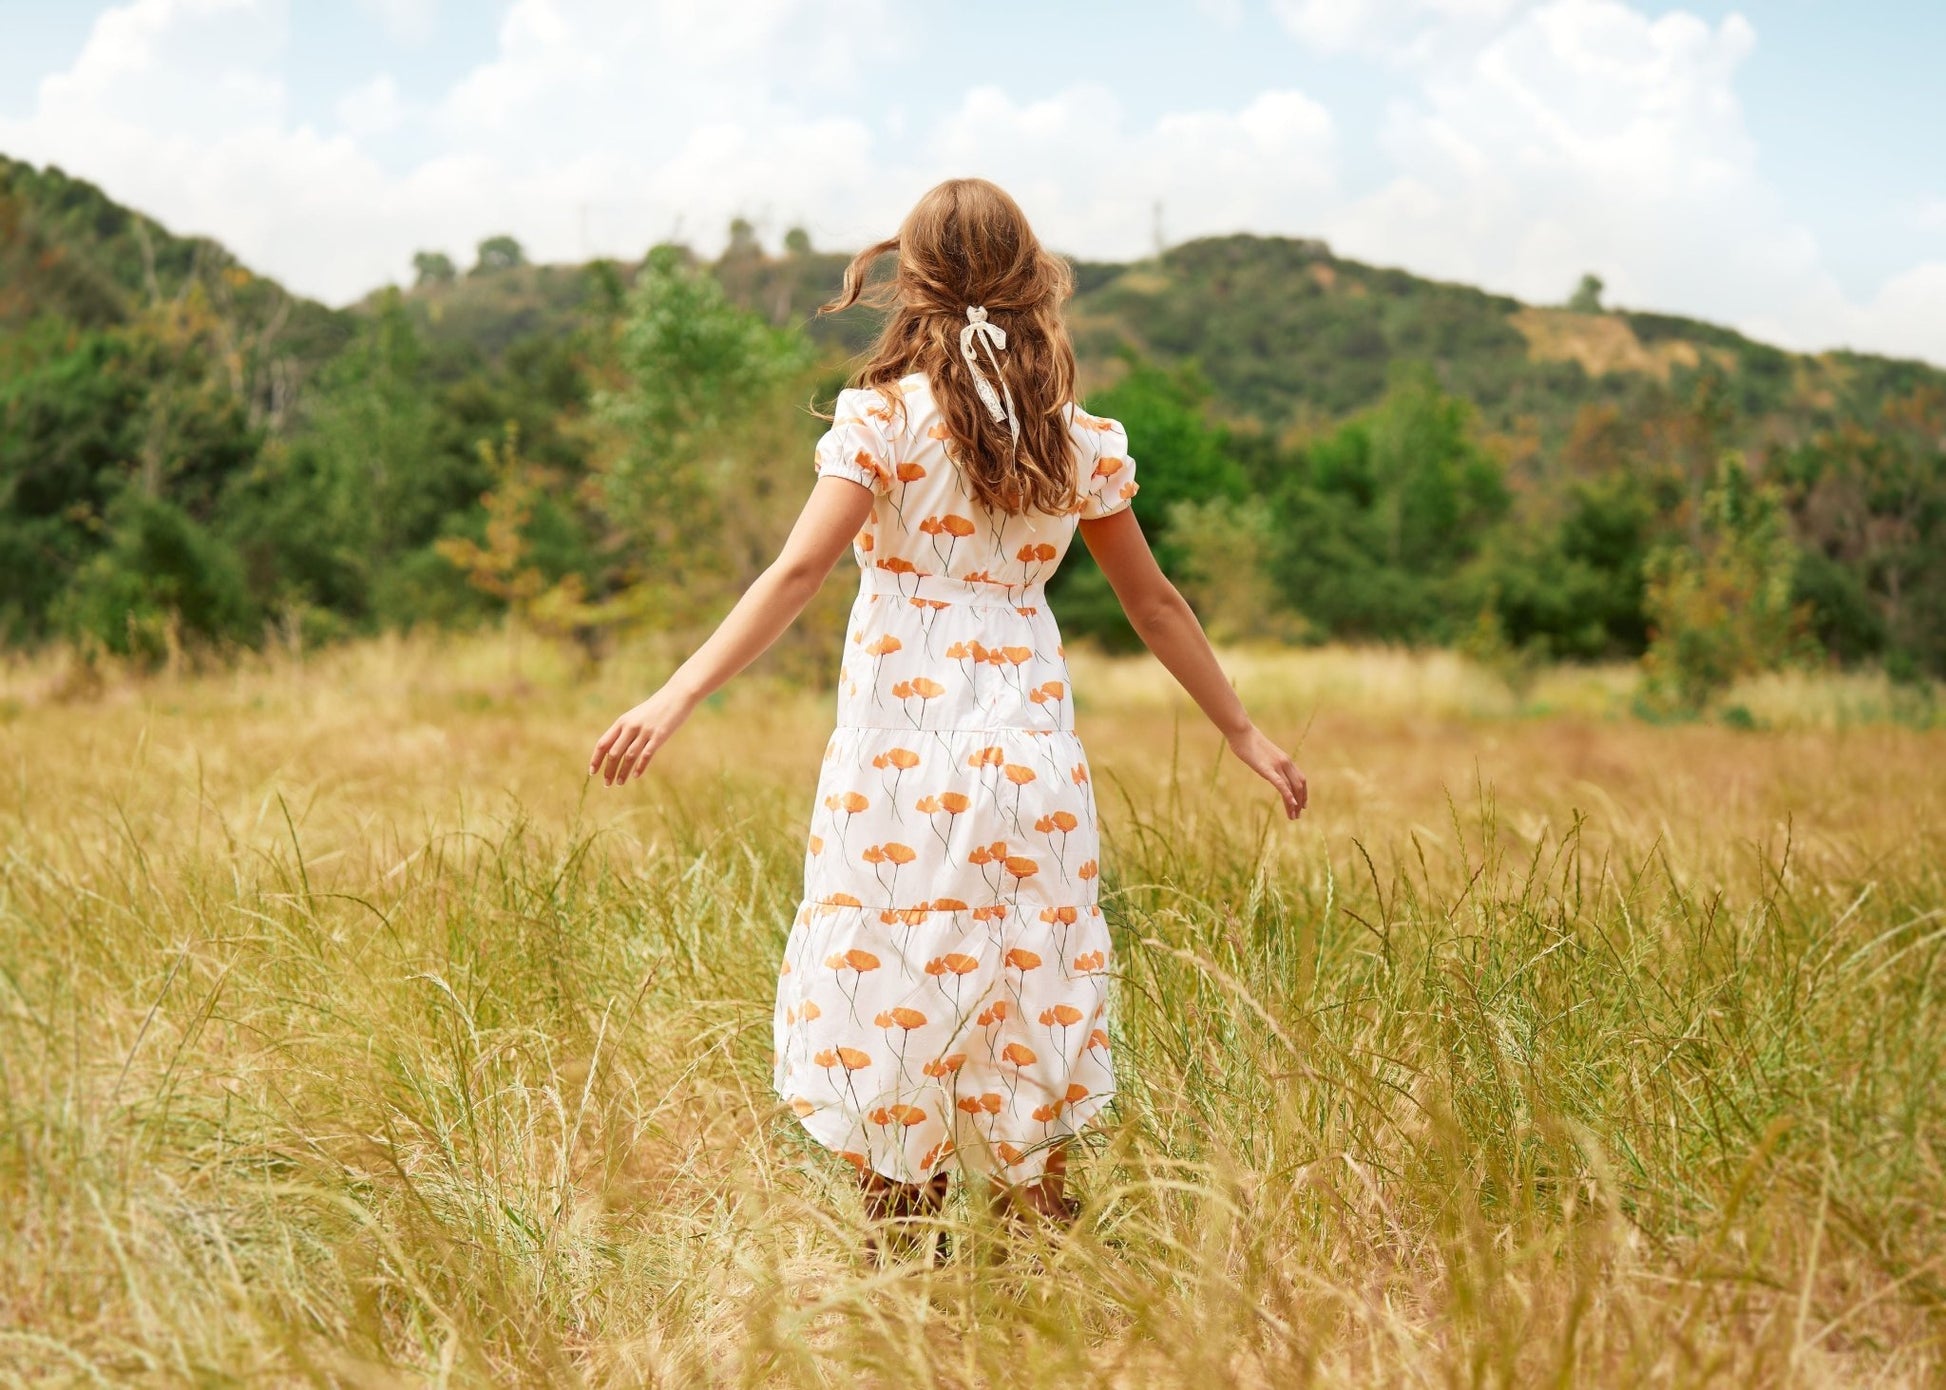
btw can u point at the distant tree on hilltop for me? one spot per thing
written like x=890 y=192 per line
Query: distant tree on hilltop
x=1586 y=298
x=433 y=268
x=743 y=240
x=499 y=253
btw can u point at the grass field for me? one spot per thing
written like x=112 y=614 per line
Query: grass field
x=349 y=1036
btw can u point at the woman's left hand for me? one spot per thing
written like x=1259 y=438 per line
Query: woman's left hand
x=624 y=751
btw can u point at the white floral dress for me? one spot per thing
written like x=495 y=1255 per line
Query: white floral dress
x=944 y=992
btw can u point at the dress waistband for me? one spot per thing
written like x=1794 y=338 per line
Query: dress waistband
x=937 y=587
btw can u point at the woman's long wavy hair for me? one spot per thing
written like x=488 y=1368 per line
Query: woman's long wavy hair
x=967 y=243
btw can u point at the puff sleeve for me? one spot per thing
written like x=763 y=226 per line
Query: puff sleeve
x=1108 y=482
x=858 y=445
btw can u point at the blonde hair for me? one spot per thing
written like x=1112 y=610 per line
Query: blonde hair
x=967 y=244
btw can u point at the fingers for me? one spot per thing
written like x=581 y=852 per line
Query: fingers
x=1285 y=775
x=1300 y=788
x=638 y=762
x=608 y=753
x=602 y=746
x=621 y=758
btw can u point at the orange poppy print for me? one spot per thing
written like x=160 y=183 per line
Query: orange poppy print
x=944 y=993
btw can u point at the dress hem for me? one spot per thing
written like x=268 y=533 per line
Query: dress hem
x=1080 y=1114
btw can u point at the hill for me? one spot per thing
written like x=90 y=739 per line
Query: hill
x=1286 y=334
x=1327 y=449
x=69 y=254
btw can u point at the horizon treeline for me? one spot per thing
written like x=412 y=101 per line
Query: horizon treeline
x=191 y=459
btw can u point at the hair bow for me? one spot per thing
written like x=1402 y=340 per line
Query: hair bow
x=993 y=338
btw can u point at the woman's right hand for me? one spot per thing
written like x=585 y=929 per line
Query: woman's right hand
x=1167 y=626
x=1275 y=766
x=637 y=736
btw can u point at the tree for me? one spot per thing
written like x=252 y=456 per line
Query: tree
x=797 y=242
x=1180 y=455
x=1586 y=298
x=343 y=514
x=160 y=578
x=1565 y=582
x=1377 y=518
x=1182 y=459
x=1722 y=608
x=144 y=408
x=1869 y=506
x=691 y=426
x=499 y=253
x=743 y=243
x=433 y=268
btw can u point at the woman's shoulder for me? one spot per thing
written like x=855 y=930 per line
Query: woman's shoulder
x=876 y=407
x=1094 y=431
x=886 y=404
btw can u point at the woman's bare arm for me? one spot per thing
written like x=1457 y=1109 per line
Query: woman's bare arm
x=831 y=517
x=1167 y=626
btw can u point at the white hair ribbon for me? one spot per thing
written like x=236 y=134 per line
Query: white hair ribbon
x=992 y=336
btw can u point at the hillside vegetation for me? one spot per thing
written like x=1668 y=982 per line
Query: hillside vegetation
x=193 y=458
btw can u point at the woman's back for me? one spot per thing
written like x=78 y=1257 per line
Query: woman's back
x=928 y=521
x=952 y=630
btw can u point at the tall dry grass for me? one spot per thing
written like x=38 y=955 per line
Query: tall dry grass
x=349 y=1036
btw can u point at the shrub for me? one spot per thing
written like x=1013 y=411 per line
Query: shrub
x=160 y=577
x=1721 y=607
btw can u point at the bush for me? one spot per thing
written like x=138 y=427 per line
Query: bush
x=1722 y=607
x=160 y=578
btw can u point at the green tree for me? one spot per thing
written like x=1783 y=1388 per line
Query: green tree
x=144 y=408
x=1378 y=517
x=1586 y=298
x=160 y=578
x=1181 y=458
x=434 y=268
x=743 y=243
x=690 y=425
x=382 y=462
x=499 y=253
x=1568 y=584
x=1868 y=505
x=1723 y=608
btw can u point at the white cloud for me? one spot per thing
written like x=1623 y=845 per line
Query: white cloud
x=204 y=67
x=372 y=107
x=1395 y=30
x=1588 y=136
x=1531 y=142
x=409 y=22
x=1906 y=318
x=602 y=125
x=1091 y=180
x=589 y=119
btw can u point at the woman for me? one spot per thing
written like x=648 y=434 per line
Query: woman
x=943 y=996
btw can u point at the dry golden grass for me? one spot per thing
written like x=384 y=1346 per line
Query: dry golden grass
x=349 y=1036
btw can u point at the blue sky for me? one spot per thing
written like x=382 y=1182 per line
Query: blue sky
x=1770 y=165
